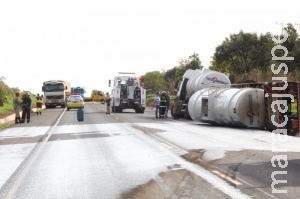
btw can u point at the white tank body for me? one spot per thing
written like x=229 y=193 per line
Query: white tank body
x=197 y=106
x=240 y=107
x=207 y=78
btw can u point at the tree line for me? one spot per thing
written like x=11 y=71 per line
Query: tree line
x=243 y=56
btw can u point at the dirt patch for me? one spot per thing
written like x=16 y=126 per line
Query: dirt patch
x=6 y=114
x=150 y=104
x=178 y=183
x=175 y=184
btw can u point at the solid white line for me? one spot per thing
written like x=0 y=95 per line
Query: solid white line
x=222 y=175
x=167 y=191
x=32 y=160
x=249 y=184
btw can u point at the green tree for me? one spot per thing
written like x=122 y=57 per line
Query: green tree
x=155 y=81
x=292 y=47
x=170 y=78
x=193 y=62
x=243 y=52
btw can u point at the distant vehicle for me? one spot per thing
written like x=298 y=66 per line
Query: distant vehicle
x=96 y=96
x=78 y=91
x=75 y=102
x=56 y=93
x=127 y=93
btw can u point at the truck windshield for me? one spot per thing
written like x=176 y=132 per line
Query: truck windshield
x=97 y=92
x=54 y=87
x=78 y=91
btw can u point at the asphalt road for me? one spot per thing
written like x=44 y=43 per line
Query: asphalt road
x=129 y=155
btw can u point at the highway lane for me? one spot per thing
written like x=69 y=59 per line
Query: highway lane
x=129 y=155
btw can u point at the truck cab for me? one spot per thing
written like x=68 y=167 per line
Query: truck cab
x=127 y=93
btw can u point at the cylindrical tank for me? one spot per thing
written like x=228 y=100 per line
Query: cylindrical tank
x=207 y=78
x=240 y=107
x=197 y=107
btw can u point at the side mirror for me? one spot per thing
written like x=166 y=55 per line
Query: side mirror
x=109 y=83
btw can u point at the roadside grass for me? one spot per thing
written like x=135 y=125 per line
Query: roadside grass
x=5 y=125
x=7 y=105
x=294 y=108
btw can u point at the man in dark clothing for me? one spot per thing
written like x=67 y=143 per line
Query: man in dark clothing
x=26 y=106
x=108 y=103
x=167 y=103
x=162 y=105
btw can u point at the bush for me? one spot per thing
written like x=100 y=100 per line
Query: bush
x=7 y=95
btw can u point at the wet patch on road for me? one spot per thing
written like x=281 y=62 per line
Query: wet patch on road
x=147 y=130
x=74 y=136
x=20 y=140
x=178 y=183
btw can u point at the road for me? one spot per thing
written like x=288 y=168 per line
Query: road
x=129 y=155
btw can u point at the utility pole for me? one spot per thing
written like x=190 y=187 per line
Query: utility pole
x=282 y=24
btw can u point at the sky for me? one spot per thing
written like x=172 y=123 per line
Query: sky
x=87 y=42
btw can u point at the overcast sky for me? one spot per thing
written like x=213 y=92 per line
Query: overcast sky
x=87 y=42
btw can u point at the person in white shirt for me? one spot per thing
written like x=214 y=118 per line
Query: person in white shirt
x=157 y=103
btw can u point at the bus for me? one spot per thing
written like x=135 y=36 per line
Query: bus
x=78 y=91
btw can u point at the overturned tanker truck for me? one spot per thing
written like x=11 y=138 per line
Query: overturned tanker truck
x=271 y=106
x=193 y=81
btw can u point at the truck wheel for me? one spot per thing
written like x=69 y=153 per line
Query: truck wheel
x=187 y=115
x=174 y=115
x=139 y=111
x=118 y=109
x=172 y=112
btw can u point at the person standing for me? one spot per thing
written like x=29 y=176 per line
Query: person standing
x=17 y=107
x=108 y=103
x=157 y=104
x=39 y=104
x=26 y=107
x=167 y=103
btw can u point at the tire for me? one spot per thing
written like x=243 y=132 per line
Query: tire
x=174 y=115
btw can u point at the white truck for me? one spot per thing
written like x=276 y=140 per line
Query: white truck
x=192 y=81
x=56 y=93
x=127 y=93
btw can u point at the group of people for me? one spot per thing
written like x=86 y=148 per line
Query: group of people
x=162 y=104
x=25 y=104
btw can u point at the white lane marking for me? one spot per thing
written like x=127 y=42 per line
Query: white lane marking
x=168 y=143
x=32 y=160
x=167 y=191
x=211 y=178
x=226 y=177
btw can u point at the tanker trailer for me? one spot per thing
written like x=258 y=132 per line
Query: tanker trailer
x=192 y=81
x=239 y=107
